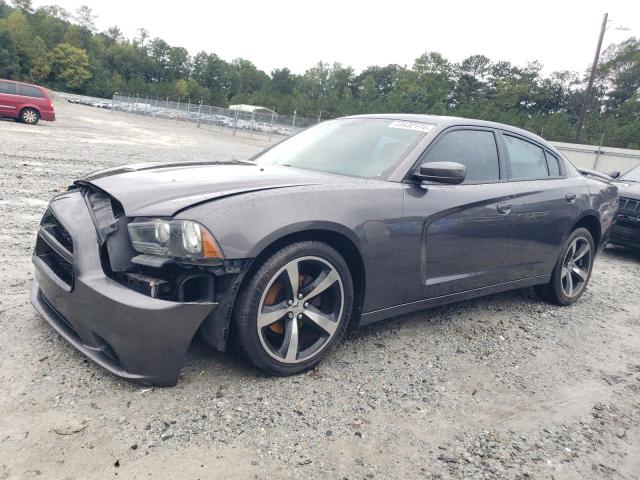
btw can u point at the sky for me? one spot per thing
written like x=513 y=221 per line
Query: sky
x=561 y=34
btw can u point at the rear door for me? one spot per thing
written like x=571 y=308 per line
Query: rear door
x=9 y=99
x=456 y=236
x=545 y=206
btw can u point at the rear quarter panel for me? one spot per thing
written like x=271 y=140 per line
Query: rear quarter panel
x=603 y=202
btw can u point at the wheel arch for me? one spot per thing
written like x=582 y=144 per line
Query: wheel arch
x=336 y=237
x=591 y=222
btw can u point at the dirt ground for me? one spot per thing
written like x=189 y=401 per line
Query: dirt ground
x=500 y=387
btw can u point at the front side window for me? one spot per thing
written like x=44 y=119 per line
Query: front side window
x=526 y=159
x=361 y=147
x=475 y=149
x=29 y=91
x=7 y=88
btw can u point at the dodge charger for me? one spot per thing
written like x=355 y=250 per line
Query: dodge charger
x=349 y=222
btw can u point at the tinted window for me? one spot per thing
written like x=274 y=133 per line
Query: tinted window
x=527 y=160
x=552 y=163
x=29 y=91
x=475 y=149
x=7 y=87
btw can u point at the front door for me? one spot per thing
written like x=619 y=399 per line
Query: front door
x=456 y=236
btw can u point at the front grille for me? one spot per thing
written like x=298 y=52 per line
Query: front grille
x=629 y=211
x=630 y=205
x=57 y=257
x=62 y=267
x=55 y=228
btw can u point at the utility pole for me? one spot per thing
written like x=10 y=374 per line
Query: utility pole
x=587 y=94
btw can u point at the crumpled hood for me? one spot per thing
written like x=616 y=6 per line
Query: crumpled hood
x=164 y=189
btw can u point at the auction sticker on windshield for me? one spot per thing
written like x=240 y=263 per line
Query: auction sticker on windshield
x=421 y=127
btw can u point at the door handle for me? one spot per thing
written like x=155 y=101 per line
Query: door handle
x=504 y=208
x=570 y=197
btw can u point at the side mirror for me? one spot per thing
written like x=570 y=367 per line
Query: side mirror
x=442 y=172
x=614 y=174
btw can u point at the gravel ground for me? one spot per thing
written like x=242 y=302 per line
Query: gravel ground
x=500 y=387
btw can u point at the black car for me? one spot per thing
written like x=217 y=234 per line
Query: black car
x=626 y=231
x=347 y=223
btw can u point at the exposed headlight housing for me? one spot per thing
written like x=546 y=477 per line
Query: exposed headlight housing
x=173 y=238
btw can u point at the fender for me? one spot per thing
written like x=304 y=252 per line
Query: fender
x=301 y=227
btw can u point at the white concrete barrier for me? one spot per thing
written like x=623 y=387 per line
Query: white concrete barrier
x=602 y=159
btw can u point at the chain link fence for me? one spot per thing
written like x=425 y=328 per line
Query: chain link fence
x=207 y=115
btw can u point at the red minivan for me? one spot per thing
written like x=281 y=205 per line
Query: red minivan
x=24 y=102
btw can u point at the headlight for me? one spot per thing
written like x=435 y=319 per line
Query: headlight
x=173 y=238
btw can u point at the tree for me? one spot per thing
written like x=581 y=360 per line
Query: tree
x=9 y=61
x=181 y=88
x=24 y=5
x=39 y=61
x=282 y=81
x=86 y=18
x=70 y=66
x=114 y=34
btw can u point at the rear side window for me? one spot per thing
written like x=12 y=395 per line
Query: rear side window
x=526 y=159
x=7 y=88
x=475 y=149
x=29 y=91
x=553 y=164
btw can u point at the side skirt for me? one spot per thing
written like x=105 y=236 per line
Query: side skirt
x=405 y=308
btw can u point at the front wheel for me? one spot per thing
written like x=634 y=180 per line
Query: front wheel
x=295 y=308
x=29 y=116
x=573 y=270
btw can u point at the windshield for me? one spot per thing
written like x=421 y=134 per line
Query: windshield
x=361 y=147
x=632 y=175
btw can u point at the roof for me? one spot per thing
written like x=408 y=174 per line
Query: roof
x=443 y=121
x=250 y=108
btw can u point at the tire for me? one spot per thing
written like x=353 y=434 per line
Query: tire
x=29 y=116
x=571 y=274
x=321 y=309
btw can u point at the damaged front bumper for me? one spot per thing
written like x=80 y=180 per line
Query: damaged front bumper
x=132 y=335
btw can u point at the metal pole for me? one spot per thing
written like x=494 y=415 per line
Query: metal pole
x=320 y=116
x=187 y=117
x=293 y=125
x=587 y=93
x=135 y=105
x=595 y=163
x=273 y=112
x=199 y=113
x=253 y=122
x=178 y=110
x=113 y=97
x=235 y=121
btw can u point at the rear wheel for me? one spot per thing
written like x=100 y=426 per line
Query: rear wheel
x=295 y=308
x=572 y=272
x=29 y=116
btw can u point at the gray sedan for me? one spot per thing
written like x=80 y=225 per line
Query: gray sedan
x=349 y=222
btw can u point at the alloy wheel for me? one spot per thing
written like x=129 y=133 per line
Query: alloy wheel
x=576 y=267
x=300 y=309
